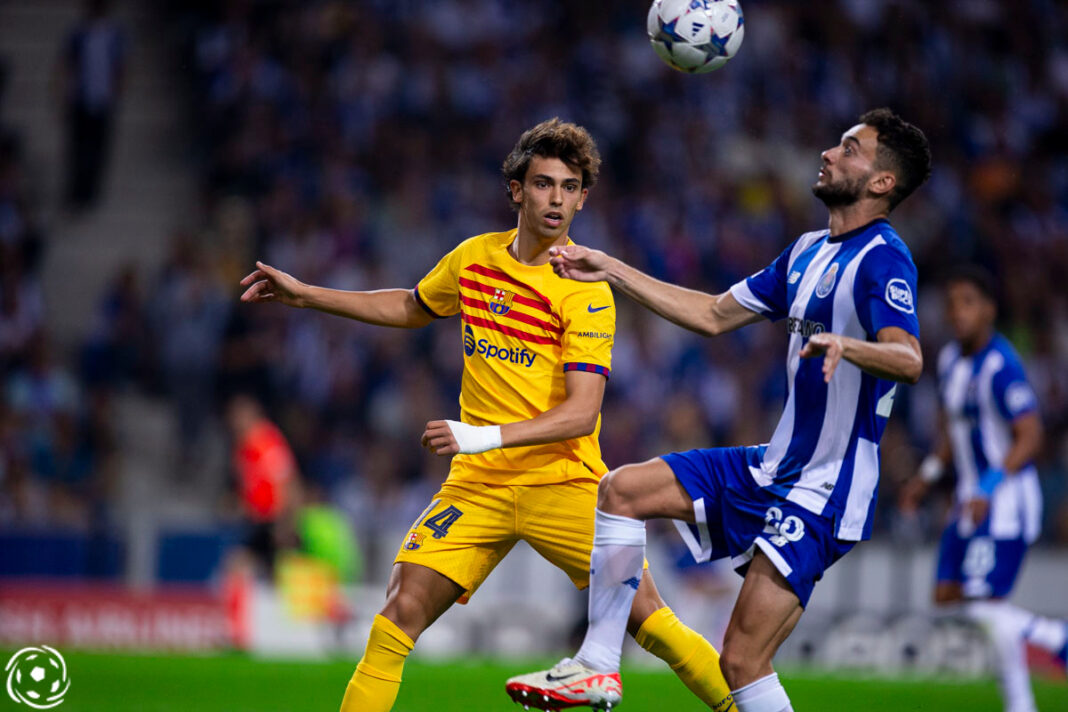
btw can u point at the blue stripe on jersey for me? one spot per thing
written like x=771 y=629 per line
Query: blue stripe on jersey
x=981 y=462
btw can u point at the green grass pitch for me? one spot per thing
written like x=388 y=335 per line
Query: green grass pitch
x=234 y=683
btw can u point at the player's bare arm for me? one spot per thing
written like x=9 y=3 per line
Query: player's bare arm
x=384 y=307
x=706 y=314
x=895 y=356
x=575 y=417
x=1026 y=442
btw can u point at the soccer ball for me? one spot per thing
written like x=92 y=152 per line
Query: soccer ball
x=696 y=36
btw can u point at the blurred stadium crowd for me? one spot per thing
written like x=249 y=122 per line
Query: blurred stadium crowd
x=353 y=144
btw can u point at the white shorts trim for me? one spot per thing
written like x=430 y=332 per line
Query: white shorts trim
x=776 y=558
x=701 y=545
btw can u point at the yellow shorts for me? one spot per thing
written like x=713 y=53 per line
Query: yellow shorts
x=468 y=528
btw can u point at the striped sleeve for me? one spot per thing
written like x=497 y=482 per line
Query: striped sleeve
x=589 y=318
x=1012 y=393
x=765 y=291
x=439 y=292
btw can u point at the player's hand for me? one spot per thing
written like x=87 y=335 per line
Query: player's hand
x=579 y=263
x=976 y=509
x=438 y=438
x=912 y=493
x=827 y=345
x=267 y=284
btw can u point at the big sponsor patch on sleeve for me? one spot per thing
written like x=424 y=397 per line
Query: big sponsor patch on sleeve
x=1019 y=398
x=899 y=296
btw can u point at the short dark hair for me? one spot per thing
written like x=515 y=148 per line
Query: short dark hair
x=978 y=277
x=903 y=149
x=553 y=138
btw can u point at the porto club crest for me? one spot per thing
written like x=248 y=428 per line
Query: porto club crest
x=501 y=301
x=826 y=283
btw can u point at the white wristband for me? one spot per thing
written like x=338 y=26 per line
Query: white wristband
x=473 y=439
x=931 y=469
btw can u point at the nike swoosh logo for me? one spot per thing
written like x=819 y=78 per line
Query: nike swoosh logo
x=593 y=310
x=554 y=678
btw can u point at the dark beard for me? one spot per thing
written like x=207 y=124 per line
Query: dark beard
x=841 y=194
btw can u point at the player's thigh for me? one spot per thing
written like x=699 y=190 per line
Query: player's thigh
x=764 y=615
x=462 y=534
x=557 y=521
x=948 y=592
x=645 y=490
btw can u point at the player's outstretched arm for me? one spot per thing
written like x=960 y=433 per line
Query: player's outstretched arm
x=384 y=307
x=707 y=314
x=895 y=356
x=575 y=417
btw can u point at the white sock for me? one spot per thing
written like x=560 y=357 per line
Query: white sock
x=1047 y=633
x=615 y=572
x=1005 y=624
x=764 y=695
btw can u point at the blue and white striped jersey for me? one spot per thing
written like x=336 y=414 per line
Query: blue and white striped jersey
x=982 y=394
x=824 y=454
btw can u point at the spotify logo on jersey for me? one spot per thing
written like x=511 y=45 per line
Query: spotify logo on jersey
x=492 y=352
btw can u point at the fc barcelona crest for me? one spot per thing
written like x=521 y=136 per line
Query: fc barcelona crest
x=501 y=301
x=414 y=541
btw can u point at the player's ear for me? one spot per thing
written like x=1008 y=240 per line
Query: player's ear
x=582 y=198
x=517 y=190
x=882 y=183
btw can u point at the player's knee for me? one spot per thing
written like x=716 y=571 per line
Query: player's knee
x=739 y=665
x=612 y=496
x=407 y=611
x=607 y=496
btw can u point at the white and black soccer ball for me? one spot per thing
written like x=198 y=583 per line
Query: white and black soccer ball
x=696 y=36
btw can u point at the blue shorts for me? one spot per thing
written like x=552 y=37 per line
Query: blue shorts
x=985 y=567
x=734 y=515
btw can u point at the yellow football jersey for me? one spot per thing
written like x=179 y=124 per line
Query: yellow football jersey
x=522 y=327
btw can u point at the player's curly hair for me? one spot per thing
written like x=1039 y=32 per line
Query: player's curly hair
x=553 y=138
x=903 y=149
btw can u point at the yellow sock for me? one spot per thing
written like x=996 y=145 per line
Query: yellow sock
x=374 y=685
x=692 y=657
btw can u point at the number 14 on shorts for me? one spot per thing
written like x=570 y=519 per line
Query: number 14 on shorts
x=439 y=523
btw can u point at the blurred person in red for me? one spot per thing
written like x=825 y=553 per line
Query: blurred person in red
x=266 y=479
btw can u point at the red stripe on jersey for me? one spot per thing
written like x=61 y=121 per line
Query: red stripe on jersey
x=512 y=314
x=517 y=299
x=487 y=272
x=507 y=330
